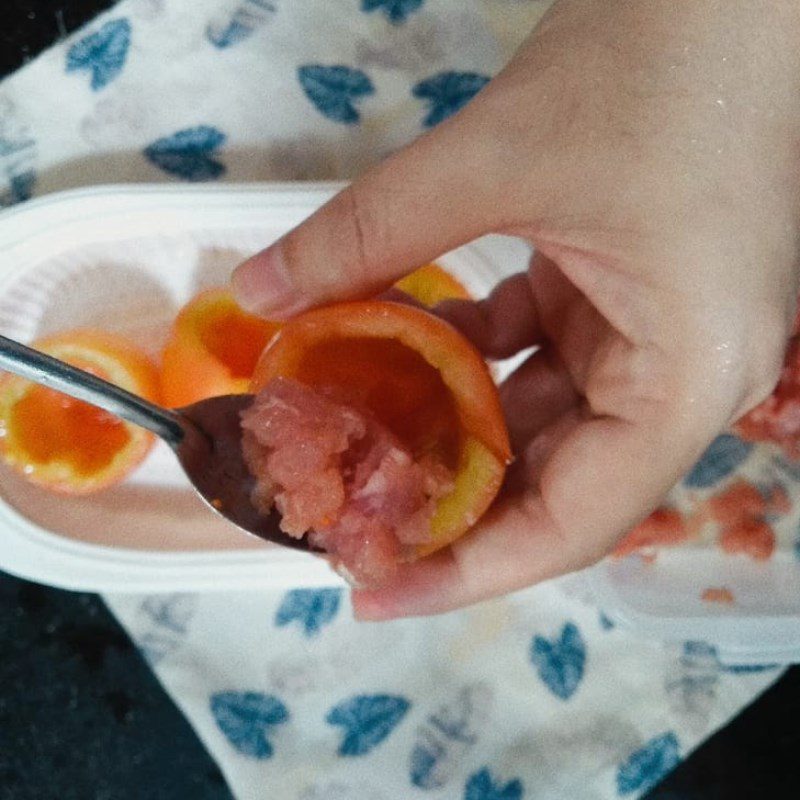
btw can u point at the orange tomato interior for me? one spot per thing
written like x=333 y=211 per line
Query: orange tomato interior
x=66 y=444
x=235 y=339
x=212 y=349
x=396 y=383
x=48 y=426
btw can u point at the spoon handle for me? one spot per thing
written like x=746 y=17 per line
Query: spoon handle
x=48 y=371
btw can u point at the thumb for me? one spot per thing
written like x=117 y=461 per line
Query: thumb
x=433 y=195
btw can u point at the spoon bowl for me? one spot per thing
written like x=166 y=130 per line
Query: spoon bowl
x=206 y=436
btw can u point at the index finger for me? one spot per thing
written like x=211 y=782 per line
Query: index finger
x=396 y=216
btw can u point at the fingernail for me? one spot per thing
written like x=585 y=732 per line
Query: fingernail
x=262 y=284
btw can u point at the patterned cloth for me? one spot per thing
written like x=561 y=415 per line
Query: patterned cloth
x=534 y=696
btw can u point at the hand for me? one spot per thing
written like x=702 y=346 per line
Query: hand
x=649 y=151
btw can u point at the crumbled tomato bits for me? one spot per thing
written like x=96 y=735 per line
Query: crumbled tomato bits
x=777 y=419
x=337 y=472
x=741 y=512
x=721 y=595
x=664 y=527
x=751 y=537
x=740 y=500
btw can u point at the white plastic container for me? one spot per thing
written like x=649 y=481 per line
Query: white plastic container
x=125 y=259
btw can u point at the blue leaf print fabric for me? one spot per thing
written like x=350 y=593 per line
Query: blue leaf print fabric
x=240 y=25
x=246 y=719
x=20 y=188
x=423 y=767
x=334 y=89
x=723 y=456
x=188 y=154
x=447 y=93
x=648 y=765
x=695 y=650
x=748 y=669
x=102 y=53
x=606 y=623
x=18 y=154
x=699 y=649
x=367 y=720
x=560 y=662
x=234 y=32
x=163 y=624
x=313 y=609
x=446 y=735
x=481 y=786
x=396 y=11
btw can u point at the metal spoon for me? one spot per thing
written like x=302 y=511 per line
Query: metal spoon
x=205 y=436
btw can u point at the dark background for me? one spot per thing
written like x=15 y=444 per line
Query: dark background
x=83 y=718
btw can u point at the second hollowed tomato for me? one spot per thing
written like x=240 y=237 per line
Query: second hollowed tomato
x=212 y=349
x=420 y=378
